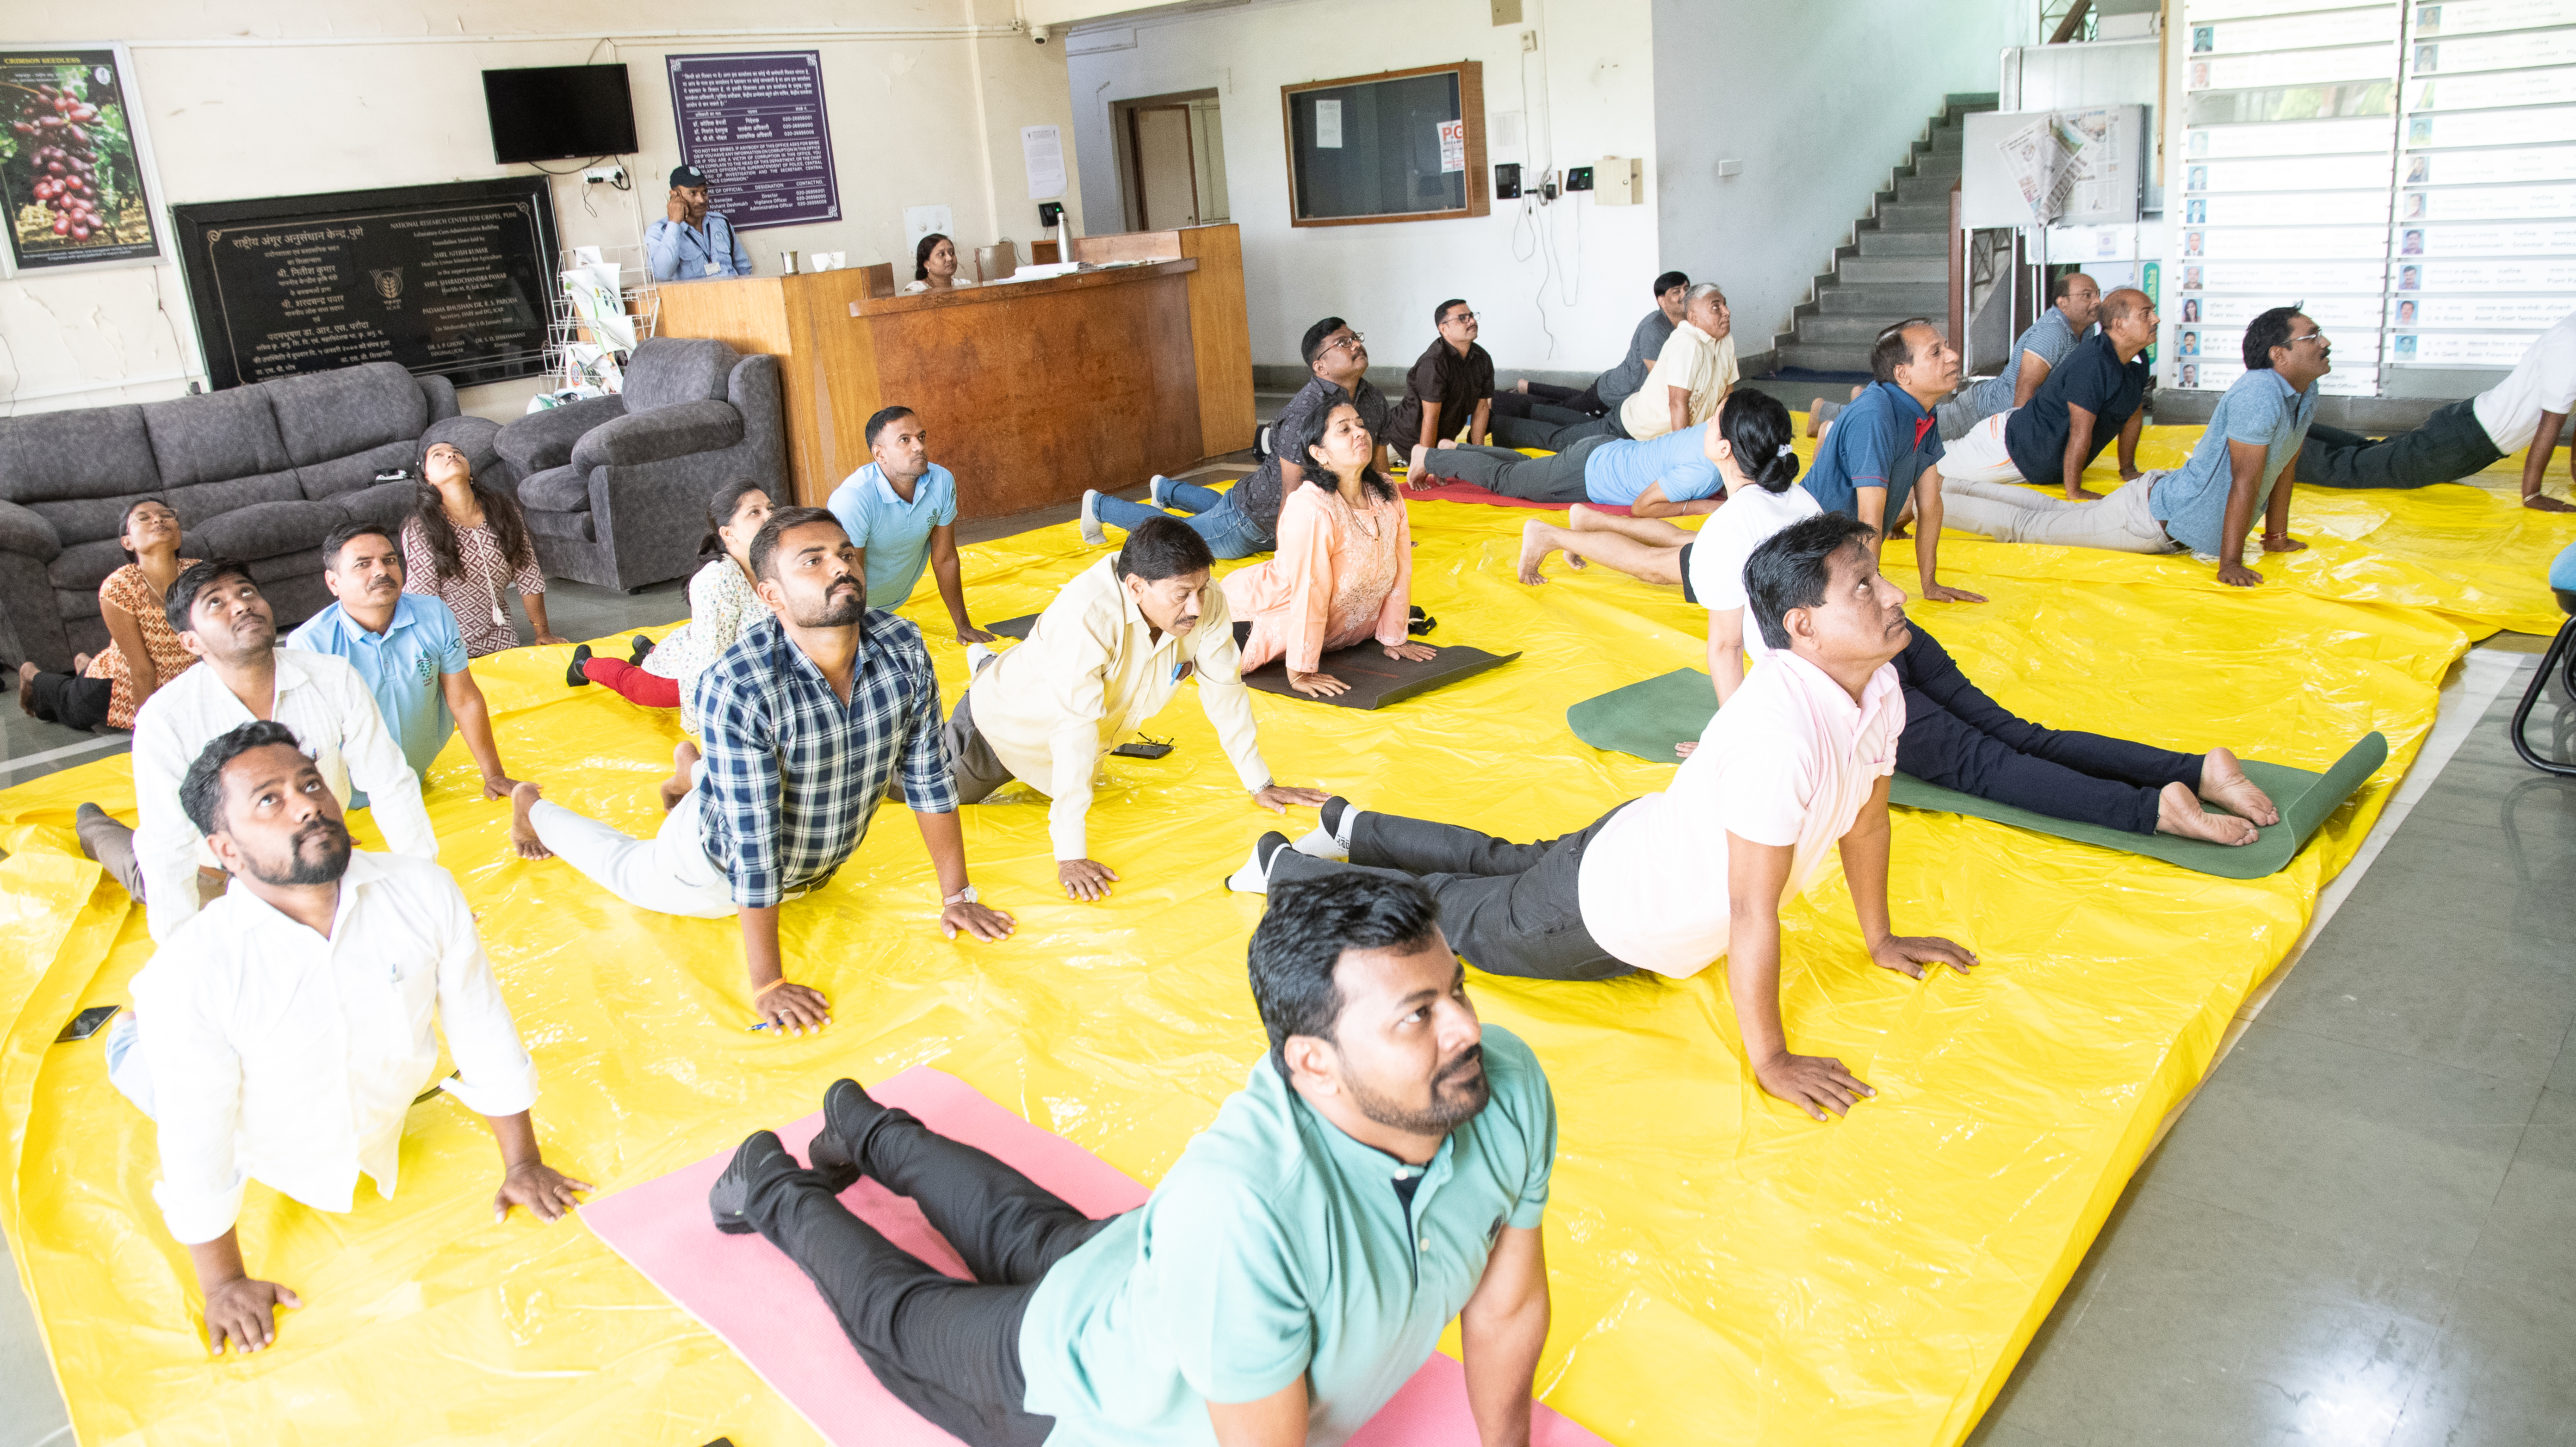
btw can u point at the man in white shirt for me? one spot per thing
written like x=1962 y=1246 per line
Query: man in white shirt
x=283 y=1033
x=1105 y=656
x=1693 y=373
x=1797 y=761
x=219 y=615
x=2527 y=409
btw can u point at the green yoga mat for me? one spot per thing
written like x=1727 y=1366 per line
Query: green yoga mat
x=1647 y=719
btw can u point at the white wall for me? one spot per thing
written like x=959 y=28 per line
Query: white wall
x=926 y=100
x=1818 y=99
x=1588 y=92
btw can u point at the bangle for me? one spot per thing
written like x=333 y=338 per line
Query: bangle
x=765 y=989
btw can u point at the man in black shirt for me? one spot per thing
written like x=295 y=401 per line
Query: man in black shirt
x=1451 y=386
x=2096 y=393
x=1554 y=406
x=1245 y=519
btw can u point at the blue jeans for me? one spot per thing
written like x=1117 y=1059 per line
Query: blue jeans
x=1213 y=516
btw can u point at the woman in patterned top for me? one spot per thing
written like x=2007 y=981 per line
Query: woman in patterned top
x=721 y=605
x=1344 y=570
x=463 y=544
x=142 y=654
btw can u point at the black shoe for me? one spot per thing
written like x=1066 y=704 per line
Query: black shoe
x=848 y=1113
x=761 y=1155
x=1419 y=623
x=573 y=676
x=637 y=648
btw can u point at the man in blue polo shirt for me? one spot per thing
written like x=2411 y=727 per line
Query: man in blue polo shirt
x=2074 y=300
x=2207 y=505
x=408 y=649
x=1886 y=446
x=901 y=509
x=689 y=242
x=1383 y=1171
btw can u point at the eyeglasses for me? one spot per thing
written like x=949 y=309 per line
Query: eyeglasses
x=2318 y=337
x=1460 y=317
x=1351 y=343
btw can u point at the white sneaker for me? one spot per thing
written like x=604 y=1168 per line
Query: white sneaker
x=1154 y=489
x=1091 y=532
x=977 y=655
x=1319 y=843
x=1251 y=878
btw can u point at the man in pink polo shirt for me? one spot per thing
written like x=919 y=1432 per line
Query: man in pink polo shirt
x=1797 y=761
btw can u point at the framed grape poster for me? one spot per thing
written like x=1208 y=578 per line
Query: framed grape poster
x=72 y=160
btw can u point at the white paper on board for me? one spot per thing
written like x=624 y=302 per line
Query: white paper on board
x=1328 y=125
x=1453 y=146
x=1042 y=147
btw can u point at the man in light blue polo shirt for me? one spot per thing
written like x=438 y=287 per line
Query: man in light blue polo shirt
x=1886 y=446
x=901 y=509
x=2075 y=301
x=2210 y=502
x=407 y=648
x=1383 y=1172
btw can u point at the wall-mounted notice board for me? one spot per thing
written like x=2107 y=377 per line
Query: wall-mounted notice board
x=1401 y=145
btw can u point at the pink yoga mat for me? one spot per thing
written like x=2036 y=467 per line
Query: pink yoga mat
x=750 y=1294
x=1455 y=491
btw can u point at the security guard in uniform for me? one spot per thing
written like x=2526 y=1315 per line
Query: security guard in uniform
x=692 y=242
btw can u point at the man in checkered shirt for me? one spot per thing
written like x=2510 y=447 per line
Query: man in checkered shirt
x=809 y=717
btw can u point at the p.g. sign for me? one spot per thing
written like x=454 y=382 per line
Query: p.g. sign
x=1453 y=145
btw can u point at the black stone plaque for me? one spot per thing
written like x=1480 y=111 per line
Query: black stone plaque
x=455 y=280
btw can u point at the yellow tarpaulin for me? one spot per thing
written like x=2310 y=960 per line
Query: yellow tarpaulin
x=1723 y=1268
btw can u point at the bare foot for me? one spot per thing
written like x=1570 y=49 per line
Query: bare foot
x=2543 y=502
x=1413 y=474
x=1535 y=546
x=1521 y=386
x=27 y=688
x=1857 y=389
x=1814 y=406
x=2223 y=782
x=523 y=835
x=2179 y=812
x=684 y=763
x=80 y=663
x=1448 y=444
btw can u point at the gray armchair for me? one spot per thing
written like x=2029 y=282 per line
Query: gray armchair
x=260 y=473
x=615 y=488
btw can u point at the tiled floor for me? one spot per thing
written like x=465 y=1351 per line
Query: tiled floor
x=2363 y=1231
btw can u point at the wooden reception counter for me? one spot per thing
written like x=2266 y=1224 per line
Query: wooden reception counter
x=1031 y=390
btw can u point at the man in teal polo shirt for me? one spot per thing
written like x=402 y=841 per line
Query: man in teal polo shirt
x=1384 y=1171
x=901 y=509
x=408 y=649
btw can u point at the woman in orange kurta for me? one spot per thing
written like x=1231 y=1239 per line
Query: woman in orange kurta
x=1344 y=569
x=143 y=652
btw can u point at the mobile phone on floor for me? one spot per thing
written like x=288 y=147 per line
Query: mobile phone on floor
x=87 y=1023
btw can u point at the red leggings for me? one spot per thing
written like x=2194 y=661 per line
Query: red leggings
x=632 y=683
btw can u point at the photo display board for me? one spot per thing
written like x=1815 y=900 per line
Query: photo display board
x=71 y=172
x=454 y=280
x=755 y=125
x=2407 y=172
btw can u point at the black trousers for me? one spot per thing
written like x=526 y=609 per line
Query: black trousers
x=948 y=1349
x=1960 y=739
x=1547 y=398
x=1535 y=432
x=2449 y=446
x=71 y=700
x=1509 y=909
x=1554 y=478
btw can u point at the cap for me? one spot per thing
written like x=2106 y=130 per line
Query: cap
x=688 y=176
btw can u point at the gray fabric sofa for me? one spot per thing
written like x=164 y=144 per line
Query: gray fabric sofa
x=260 y=473
x=615 y=488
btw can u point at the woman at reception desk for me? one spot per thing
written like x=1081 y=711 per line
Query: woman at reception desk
x=934 y=266
x=1035 y=389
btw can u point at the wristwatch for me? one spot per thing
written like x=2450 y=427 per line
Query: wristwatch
x=963 y=896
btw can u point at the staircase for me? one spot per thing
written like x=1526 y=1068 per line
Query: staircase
x=1897 y=266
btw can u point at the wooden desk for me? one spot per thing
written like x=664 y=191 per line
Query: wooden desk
x=1032 y=391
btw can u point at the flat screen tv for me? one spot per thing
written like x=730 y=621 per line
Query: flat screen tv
x=559 y=112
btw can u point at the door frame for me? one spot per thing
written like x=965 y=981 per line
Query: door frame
x=1130 y=164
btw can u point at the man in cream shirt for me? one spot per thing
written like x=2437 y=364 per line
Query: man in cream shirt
x=1104 y=657
x=1691 y=375
x=281 y=1035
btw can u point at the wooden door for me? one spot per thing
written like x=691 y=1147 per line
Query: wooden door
x=1167 y=191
